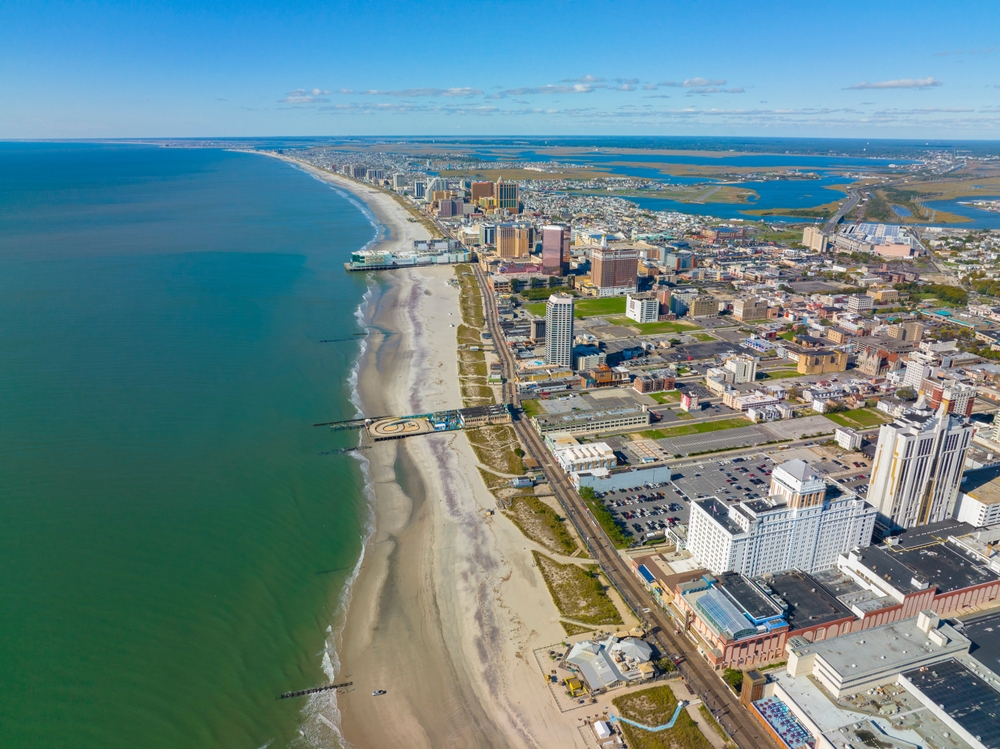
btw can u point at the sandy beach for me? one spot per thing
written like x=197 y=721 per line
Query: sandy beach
x=448 y=605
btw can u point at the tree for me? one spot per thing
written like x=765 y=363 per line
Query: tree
x=734 y=678
x=906 y=394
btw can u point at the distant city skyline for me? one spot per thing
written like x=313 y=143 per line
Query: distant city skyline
x=178 y=69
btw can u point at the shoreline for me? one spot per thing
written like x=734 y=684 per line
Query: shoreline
x=446 y=606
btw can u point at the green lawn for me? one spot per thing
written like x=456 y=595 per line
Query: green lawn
x=651 y=328
x=778 y=374
x=595 y=306
x=536 y=308
x=670 y=396
x=859 y=418
x=531 y=408
x=705 y=426
x=704 y=337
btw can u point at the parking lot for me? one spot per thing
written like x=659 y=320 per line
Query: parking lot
x=647 y=513
x=740 y=478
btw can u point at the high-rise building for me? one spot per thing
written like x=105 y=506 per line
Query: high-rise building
x=419 y=189
x=481 y=190
x=918 y=468
x=907 y=331
x=358 y=171
x=437 y=184
x=957 y=397
x=559 y=330
x=487 y=234
x=917 y=370
x=398 y=181
x=555 y=249
x=642 y=308
x=507 y=196
x=797 y=527
x=514 y=240
x=615 y=271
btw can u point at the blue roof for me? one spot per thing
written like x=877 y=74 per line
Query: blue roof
x=646 y=574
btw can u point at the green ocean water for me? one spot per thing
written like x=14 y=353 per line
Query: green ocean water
x=173 y=543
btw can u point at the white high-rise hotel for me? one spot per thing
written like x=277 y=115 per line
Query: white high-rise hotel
x=559 y=330
x=797 y=527
x=918 y=468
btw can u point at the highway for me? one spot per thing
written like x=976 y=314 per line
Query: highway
x=698 y=674
x=853 y=197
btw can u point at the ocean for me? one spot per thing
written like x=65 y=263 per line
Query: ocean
x=175 y=535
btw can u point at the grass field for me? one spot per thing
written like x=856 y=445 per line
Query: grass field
x=670 y=396
x=859 y=418
x=593 y=307
x=531 y=408
x=536 y=308
x=705 y=426
x=541 y=524
x=650 y=328
x=704 y=337
x=654 y=707
x=778 y=374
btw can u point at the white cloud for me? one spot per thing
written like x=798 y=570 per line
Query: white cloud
x=450 y=93
x=716 y=90
x=898 y=83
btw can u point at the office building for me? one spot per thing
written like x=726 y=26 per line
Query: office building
x=743 y=367
x=555 y=249
x=797 y=527
x=749 y=309
x=917 y=370
x=703 y=306
x=507 y=196
x=615 y=271
x=514 y=240
x=645 y=308
x=860 y=303
x=437 y=184
x=918 y=468
x=680 y=261
x=907 y=331
x=488 y=234
x=559 y=330
x=419 y=189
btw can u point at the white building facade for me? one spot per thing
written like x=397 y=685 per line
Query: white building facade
x=796 y=528
x=642 y=308
x=559 y=330
x=918 y=468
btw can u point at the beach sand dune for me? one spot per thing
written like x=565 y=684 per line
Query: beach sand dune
x=448 y=605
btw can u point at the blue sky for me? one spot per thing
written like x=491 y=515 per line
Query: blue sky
x=157 y=69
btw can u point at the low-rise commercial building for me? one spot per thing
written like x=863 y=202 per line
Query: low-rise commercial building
x=855 y=662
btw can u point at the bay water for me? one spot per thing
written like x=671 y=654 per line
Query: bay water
x=175 y=535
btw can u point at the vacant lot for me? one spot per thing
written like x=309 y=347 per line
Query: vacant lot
x=650 y=328
x=860 y=418
x=578 y=592
x=706 y=426
x=655 y=707
x=669 y=396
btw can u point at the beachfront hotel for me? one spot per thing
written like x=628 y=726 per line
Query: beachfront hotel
x=559 y=330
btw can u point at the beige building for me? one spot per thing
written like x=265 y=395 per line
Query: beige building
x=703 y=306
x=812 y=237
x=514 y=240
x=822 y=362
x=908 y=331
x=749 y=309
